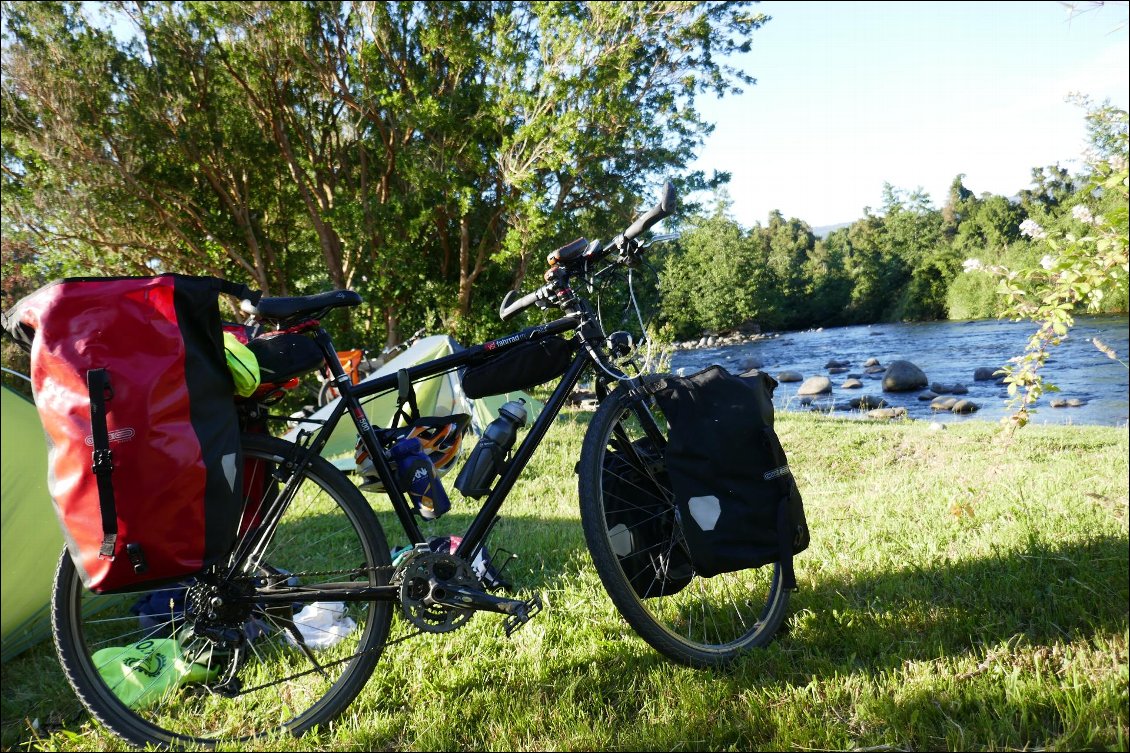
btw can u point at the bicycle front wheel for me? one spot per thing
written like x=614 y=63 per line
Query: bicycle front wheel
x=327 y=393
x=177 y=666
x=634 y=536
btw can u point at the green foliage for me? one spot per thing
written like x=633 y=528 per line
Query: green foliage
x=828 y=287
x=1086 y=266
x=1051 y=187
x=988 y=225
x=706 y=280
x=427 y=154
x=975 y=295
x=722 y=277
x=908 y=262
x=924 y=298
x=788 y=244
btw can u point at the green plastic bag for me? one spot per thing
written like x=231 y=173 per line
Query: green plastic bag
x=141 y=673
x=242 y=364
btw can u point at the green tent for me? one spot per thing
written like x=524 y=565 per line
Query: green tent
x=30 y=533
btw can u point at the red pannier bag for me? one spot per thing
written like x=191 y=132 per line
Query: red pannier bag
x=135 y=397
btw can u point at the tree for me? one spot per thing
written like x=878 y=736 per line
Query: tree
x=1051 y=186
x=717 y=279
x=1087 y=263
x=993 y=222
x=788 y=245
x=957 y=205
x=423 y=153
x=132 y=156
x=827 y=290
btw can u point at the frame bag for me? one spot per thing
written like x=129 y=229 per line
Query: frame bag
x=734 y=494
x=519 y=367
x=135 y=397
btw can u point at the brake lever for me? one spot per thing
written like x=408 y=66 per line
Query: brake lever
x=661 y=238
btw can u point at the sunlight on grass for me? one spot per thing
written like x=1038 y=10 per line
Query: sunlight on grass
x=962 y=591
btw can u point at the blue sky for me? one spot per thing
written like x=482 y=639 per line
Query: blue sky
x=852 y=95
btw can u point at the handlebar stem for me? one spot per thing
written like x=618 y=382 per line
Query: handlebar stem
x=577 y=256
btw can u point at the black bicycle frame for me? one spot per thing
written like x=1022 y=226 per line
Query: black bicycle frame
x=590 y=353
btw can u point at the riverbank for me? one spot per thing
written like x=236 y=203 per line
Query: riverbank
x=949 y=354
x=964 y=590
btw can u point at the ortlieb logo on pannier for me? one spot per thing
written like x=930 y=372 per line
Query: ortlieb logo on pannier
x=737 y=502
x=135 y=397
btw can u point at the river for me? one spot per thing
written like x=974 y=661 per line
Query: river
x=948 y=352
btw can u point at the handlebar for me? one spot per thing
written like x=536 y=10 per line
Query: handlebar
x=510 y=307
x=663 y=208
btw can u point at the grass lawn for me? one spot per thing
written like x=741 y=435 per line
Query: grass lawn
x=963 y=591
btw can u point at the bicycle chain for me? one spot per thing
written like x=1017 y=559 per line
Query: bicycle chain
x=320 y=573
x=323 y=667
x=351 y=657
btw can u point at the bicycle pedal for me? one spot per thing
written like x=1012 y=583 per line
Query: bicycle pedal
x=521 y=615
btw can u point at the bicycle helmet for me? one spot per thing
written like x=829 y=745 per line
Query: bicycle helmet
x=441 y=437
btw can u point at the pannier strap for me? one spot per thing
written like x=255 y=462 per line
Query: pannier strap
x=102 y=458
x=240 y=291
x=785 y=535
x=406 y=397
x=785 y=527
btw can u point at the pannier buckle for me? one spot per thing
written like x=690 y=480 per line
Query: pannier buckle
x=137 y=558
x=102 y=462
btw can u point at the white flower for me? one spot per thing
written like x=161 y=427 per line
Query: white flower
x=1032 y=229
x=1047 y=262
x=1082 y=213
x=971 y=265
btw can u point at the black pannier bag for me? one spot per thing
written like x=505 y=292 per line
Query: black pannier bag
x=519 y=367
x=284 y=355
x=641 y=522
x=137 y=403
x=738 y=503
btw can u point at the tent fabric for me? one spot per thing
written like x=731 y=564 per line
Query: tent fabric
x=440 y=395
x=30 y=537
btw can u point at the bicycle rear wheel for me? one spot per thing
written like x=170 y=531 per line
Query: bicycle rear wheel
x=239 y=672
x=693 y=620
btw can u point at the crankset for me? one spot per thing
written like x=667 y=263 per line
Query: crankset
x=439 y=592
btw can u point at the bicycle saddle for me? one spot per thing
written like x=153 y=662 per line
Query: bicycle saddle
x=309 y=306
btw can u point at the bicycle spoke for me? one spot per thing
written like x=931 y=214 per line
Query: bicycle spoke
x=228 y=670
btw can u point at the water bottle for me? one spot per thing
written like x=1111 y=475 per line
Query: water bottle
x=416 y=476
x=489 y=455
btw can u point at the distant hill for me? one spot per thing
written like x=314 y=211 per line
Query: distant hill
x=823 y=230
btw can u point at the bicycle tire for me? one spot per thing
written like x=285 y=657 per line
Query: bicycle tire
x=327 y=393
x=327 y=526
x=710 y=622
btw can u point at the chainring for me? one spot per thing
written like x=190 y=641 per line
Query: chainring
x=422 y=575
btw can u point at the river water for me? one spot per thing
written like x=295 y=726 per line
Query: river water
x=948 y=352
